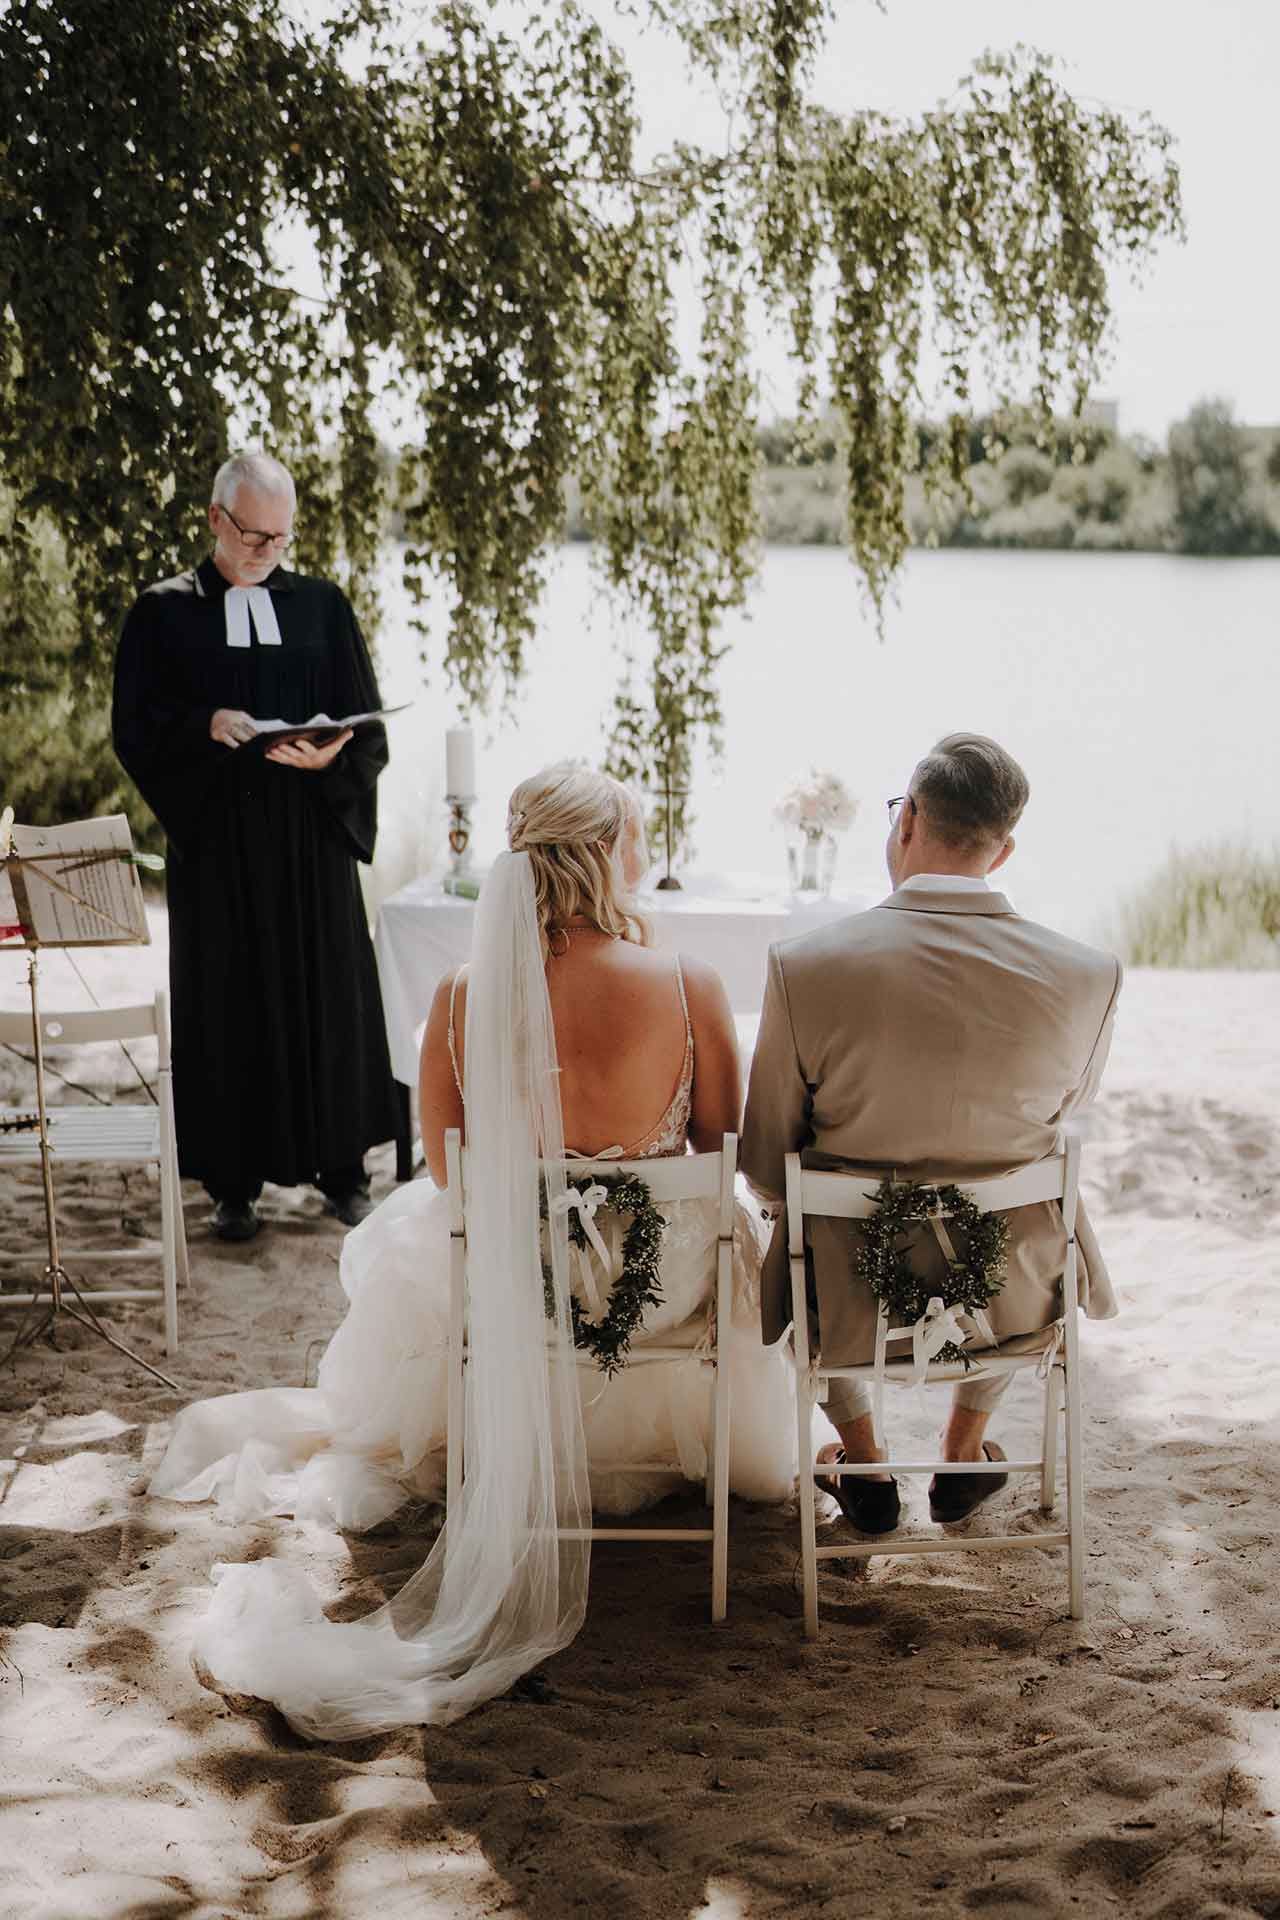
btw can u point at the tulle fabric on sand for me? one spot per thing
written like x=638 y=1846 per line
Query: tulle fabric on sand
x=500 y=1590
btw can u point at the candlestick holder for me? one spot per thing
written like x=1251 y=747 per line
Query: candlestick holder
x=460 y=880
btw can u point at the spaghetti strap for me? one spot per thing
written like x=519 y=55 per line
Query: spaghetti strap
x=672 y=1131
x=453 y=1050
x=684 y=1002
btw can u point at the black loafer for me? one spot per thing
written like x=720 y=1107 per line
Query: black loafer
x=236 y=1220
x=953 y=1496
x=350 y=1208
x=872 y=1506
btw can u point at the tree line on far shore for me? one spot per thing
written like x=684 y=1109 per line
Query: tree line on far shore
x=1213 y=488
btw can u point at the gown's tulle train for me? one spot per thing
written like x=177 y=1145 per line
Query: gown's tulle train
x=505 y=1583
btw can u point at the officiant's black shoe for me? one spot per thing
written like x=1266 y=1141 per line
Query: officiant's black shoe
x=953 y=1496
x=350 y=1208
x=872 y=1506
x=236 y=1220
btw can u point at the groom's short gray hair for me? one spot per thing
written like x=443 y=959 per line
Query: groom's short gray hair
x=970 y=791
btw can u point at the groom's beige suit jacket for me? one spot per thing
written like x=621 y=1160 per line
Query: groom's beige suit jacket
x=937 y=1036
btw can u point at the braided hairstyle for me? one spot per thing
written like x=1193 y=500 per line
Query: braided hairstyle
x=575 y=825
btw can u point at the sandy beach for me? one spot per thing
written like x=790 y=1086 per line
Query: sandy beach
x=953 y=1743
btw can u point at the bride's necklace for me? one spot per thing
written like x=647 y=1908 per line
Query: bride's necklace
x=568 y=930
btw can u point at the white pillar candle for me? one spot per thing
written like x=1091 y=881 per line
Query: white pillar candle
x=460 y=762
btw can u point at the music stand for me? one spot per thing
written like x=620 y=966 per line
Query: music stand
x=103 y=909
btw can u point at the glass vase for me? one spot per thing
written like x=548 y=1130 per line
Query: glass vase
x=811 y=861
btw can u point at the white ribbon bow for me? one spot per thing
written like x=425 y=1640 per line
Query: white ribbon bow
x=937 y=1326
x=587 y=1202
x=239 y=603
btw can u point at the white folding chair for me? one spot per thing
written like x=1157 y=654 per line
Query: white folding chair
x=845 y=1196
x=702 y=1176
x=118 y=1134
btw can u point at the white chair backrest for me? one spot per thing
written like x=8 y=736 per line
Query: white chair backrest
x=689 y=1176
x=846 y=1196
x=88 y=1025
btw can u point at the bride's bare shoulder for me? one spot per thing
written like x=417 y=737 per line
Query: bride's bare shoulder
x=448 y=1007
x=704 y=988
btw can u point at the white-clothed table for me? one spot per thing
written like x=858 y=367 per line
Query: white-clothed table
x=423 y=933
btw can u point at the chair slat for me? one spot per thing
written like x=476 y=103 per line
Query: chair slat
x=94 y=1296
x=843 y=1196
x=972 y=1543
x=89 y=1133
x=82 y=1027
x=847 y=1472
x=690 y=1176
x=901 y=1373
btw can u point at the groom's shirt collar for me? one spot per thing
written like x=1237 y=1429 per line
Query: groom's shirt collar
x=950 y=893
x=945 y=883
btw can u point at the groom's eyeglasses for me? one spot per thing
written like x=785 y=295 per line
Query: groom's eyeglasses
x=895 y=806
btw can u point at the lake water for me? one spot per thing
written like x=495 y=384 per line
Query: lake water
x=1140 y=693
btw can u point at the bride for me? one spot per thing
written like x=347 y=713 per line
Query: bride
x=567 y=1027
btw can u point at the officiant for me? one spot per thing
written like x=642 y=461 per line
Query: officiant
x=280 y=1064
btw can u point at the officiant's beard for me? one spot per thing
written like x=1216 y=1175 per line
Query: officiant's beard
x=243 y=573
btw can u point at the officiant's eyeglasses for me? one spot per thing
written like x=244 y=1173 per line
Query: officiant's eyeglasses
x=253 y=537
x=895 y=806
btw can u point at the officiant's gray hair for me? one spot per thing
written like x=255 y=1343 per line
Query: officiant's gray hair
x=571 y=821
x=970 y=791
x=254 y=470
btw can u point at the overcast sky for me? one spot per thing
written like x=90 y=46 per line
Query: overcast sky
x=1204 y=322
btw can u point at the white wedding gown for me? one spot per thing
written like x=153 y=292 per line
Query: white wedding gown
x=371 y=1434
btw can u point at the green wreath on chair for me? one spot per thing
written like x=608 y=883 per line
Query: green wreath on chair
x=972 y=1280
x=637 y=1286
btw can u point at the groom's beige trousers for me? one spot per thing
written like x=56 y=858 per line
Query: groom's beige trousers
x=850 y=1400
x=937 y=1036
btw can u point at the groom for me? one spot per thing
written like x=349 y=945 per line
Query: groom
x=938 y=1036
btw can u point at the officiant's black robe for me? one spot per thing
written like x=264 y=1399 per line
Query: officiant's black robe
x=280 y=1064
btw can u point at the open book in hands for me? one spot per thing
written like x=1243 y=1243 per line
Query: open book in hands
x=319 y=728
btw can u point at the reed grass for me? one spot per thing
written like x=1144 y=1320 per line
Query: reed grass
x=1212 y=906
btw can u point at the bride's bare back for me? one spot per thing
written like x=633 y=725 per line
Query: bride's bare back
x=620 y=1035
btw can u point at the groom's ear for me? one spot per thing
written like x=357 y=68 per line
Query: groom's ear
x=1002 y=856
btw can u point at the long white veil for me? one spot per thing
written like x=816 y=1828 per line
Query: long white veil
x=502 y=1588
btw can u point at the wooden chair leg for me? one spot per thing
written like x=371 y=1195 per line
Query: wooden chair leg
x=709 y=1477
x=453 y=1433
x=1075 y=1472
x=1049 y=1442
x=184 y=1265
x=720 y=1499
x=170 y=1231
x=173 y=1230
x=456 y=1405
x=808 y=1505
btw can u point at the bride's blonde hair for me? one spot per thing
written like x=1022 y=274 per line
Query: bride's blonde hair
x=571 y=820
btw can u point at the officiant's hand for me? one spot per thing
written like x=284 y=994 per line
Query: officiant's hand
x=307 y=755
x=231 y=728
